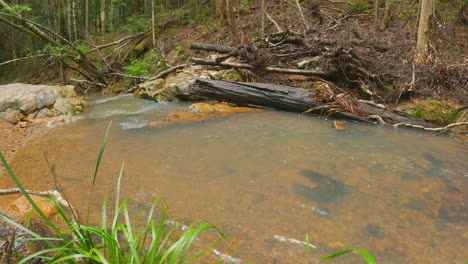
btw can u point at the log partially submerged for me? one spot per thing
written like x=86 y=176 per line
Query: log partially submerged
x=284 y=98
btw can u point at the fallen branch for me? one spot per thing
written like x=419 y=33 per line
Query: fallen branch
x=23 y=58
x=323 y=74
x=212 y=47
x=381 y=106
x=118 y=41
x=88 y=82
x=274 y=22
x=166 y=72
x=432 y=128
x=130 y=76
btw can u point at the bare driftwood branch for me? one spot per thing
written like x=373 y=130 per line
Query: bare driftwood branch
x=432 y=128
x=88 y=82
x=372 y=103
x=323 y=74
x=130 y=76
x=274 y=22
x=24 y=58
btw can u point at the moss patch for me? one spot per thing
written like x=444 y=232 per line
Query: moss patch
x=437 y=112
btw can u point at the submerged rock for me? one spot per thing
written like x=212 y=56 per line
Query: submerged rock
x=324 y=189
x=200 y=112
x=23 y=207
x=20 y=101
x=176 y=86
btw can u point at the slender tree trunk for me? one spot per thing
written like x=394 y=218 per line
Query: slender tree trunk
x=69 y=20
x=103 y=18
x=387 y=15
x=219 y=9
x=263 y=17
x=152 y=23
x=376 y=12
x=75 y=33
x=59 y=17
x=86 y=18
x=424 y=28
x=232 y=22
x=111 y=17
x=137 y=6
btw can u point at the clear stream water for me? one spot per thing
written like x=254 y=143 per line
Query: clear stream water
x=268 y=179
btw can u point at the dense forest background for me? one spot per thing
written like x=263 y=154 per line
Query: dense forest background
x=404 y=46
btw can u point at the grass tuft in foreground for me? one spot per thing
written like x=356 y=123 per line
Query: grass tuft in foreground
x=118 y=239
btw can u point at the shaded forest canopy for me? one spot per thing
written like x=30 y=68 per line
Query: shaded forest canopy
x=374 y=48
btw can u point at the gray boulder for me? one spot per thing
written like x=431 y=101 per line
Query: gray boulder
x=18 y=101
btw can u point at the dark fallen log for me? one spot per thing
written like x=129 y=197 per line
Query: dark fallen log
x=323 y=74
x=212 y=47
x=284 y=98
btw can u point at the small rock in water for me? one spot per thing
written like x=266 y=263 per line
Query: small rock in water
x=324 y=189
x=322 y=212
x=374 y=230
x=409 y=177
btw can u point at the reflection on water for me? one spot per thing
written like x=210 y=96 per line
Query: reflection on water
x=268 y=179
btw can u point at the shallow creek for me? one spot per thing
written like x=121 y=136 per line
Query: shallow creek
x=268 y=179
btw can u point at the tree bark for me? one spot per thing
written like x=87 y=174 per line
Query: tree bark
x=86 y=18
x=427 y=8
x=103 y=18
x=232 y=22
x=152 y=24
x=384 y=24
x=283 y=98
x=212 y=47
x=219 y=9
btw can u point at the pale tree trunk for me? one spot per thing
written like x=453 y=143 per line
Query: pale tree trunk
x=424 y=28
x=152 y=23
x=103 y=18
x=263 y=17
x=232 y=22
x=75 y=33
x=86 y=18
x=59 y=17
x=387 y=15
x=376 y=12
x=111 y=16
x=69 y=20
x=219 y=9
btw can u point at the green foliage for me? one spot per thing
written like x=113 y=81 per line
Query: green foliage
x=181 y=49
x=360 y=7
x=135 y=24
x=17 y=9
x=118 y=241
x=54 y=51
x=142 y=66
x=364 y=254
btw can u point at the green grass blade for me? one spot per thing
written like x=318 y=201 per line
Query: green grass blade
x=364 y=254
x=98 y=164
x=101 y=153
